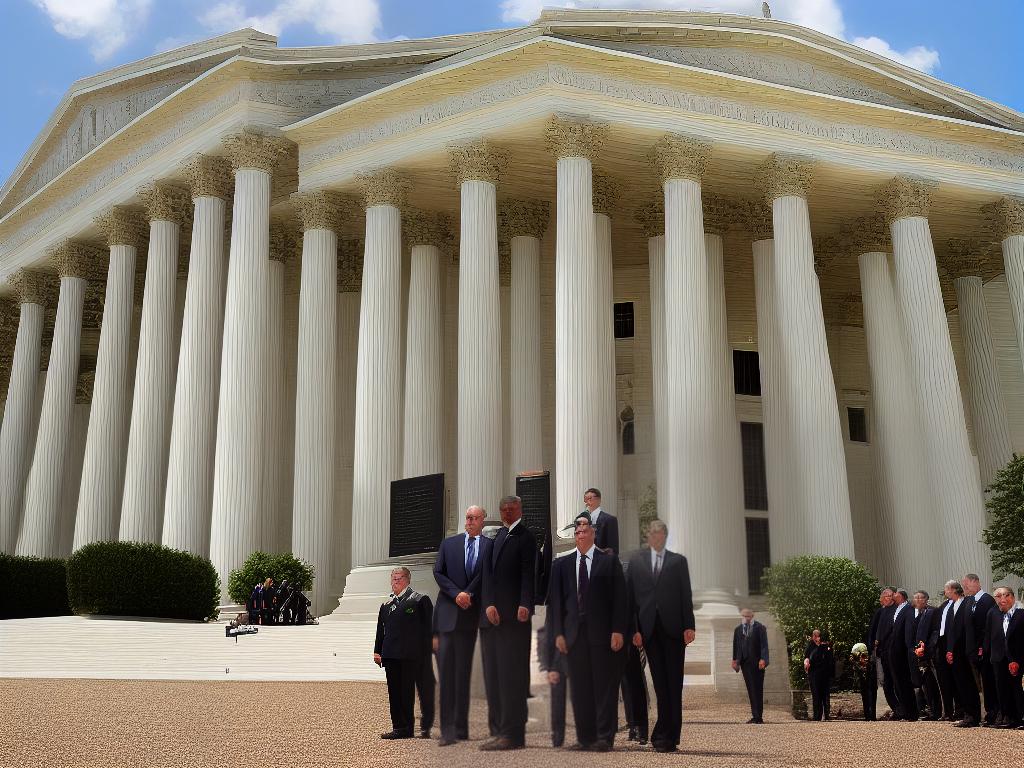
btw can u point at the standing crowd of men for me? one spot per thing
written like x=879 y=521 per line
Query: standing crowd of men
x=284 y=604
x=943 y=663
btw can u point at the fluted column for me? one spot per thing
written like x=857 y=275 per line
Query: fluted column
x=17 y=435
x=189 y=498
x=1007 y=219
x=424 y=432
x=605 y=196
x=149 y=435
x=907 y=534
x=237 y=484
x=580 y=426
x=378 y=419
x=72 y=486
x=967 y=265
x=817 y=435
x=956 y=490
x=40 y=530
x=695 y=500
x=525 y=222
x=480 y=461
x=350 y=277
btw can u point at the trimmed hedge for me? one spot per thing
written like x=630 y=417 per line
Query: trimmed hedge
x=260 y=565
x=33 y=587
x=124 y=578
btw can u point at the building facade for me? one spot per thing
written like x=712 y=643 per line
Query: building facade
x=754 y=278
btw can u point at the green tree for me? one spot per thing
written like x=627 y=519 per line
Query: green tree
x=1005 y=532
x=261 y=565
x=811 y=592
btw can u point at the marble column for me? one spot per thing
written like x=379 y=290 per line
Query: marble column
x=480 y=463
x=149 y=435
x=40 y=529
x=1007 y=219
x=956 y=489
x=316 y=387
x=237 y=483
x=423 y=451
x=906 y=533
x=102 y=486
x=967 y=264
x=581 y=429
x=605 y=196
x=17 y=435
x=817 y=435
x=79 y=430
x=695 y=502
x=189 y=498
x=378 y=420
x=350 y=284
x=525 y=222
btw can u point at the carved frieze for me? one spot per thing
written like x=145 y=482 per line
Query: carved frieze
x=255 y=149
x=210 y=176
x=164 y=201
x=1006 y=216
x=427 y=228
x=527 y=218
x=681 y=157
x=569 y=136
x=651 y=217
x=784 y=175
x=905 y=196
x=385 y=186
x=606 y=191
x=477 y=161
x=123 y=226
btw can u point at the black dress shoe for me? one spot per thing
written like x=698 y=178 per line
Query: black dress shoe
x=642 y=739
x=557 y=743
x=759 y=721
x=443 y=742
x=632 y=734
x=967 y=722
x=501 y=745
x=601 y=746
x=577 y=747
x=425 y=734
x=751 y=721
x=665 y=747
x=396 y=735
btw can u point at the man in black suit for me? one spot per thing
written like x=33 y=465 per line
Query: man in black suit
x=1003 y=630
x=943 y=672
x=402 y=647
x=589 y=619
x=458 y=572
x=981 y=604
x=875 y=672
x=508 y=599
x=662 y=600
x=606 y=525
x=959 y=655
x=922 y=636
x=901 y=647
x=750 y=656
x=882 y=642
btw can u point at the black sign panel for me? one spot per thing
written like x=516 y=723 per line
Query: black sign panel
x=535 y=491
x=417 y=515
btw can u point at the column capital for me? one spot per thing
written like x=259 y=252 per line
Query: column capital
x=1006 y=216
x=785 y=175
x=32 y=286
x=828 y=250
x=284 y=241
x=676 y=156
x=845 y=309
x=122 y=226
x=427 y=228
x=84 y=386
x=651 y=217
x=74 y=259
x=384 y=186
x=350 y=266
x=757 y=218
x=209 y=176
x=568 y=136
x=504 y=263
x=477 y=161
x=720 y=212
x=606 y=190
x=255 y=149
x=868 y=234
x=322 y=209
x=166 y=202
x=967 y=257
x=523 y=218
x=904 y=197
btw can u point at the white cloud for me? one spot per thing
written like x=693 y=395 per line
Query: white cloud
x=823 y=15
x=344 y=21
x=107 y=24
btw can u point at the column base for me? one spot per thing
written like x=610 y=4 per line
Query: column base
x=367 y=586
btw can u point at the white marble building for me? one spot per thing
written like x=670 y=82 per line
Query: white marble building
x=247 y=286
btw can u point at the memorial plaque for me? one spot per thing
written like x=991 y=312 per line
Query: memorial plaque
x=535 y=491
x=417 y=515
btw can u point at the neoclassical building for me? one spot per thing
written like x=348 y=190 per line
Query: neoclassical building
x=730 y=269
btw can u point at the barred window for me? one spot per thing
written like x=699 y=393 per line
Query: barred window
x=755 y=478
x=746 y=372
x=623 y=320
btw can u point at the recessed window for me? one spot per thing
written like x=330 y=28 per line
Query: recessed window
x=759 y=554
x=858 y=421
x=746 y=373
x=755 y=479
x=624 y=320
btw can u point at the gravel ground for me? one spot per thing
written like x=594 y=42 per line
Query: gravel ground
x=156 y=723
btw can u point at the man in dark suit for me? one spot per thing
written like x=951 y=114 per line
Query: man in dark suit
x=1003 y=629
x=901 y=647
x=662 y=600
x=458 y=572
x=508 y=599
x=959 y=655
x=922 y=636
x=606 y=525
x=874 y=671
x=882 y=641
x=750 y=656
x=402 y=647
x=943 y=672
x=981 y=604
x=589 y=619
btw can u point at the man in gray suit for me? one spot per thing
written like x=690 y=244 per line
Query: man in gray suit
x=750 y=656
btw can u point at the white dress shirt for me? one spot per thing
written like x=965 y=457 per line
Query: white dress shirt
x=945 y=612
x=590 y=563
x=1006 y=620
x=594 y=515
x=956 y=605
x=654 y=558
x=513 y=525
x=899 y=608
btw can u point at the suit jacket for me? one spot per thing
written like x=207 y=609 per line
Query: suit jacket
x=958 y=635
x=873 y=628
x=903 y=631
x=605 y=607
x=669 y=598
x=509 y=576
x=1015 y=637
x=754 y=647
x=606 y=532
x=403 y=630
x=884 y=632
x=927 y=630
x=823 y=660
x=451 y=577
x=979 y=617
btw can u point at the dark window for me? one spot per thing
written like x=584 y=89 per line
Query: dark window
x=858 y=420
x=758 y=552
x=624 y=320
x=628 y=439
x=746 y=373
x=755 y=481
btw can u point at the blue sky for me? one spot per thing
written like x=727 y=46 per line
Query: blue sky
x=51 y=43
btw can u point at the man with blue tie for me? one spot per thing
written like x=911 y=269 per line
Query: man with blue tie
x=750 y=656
x=458 y=574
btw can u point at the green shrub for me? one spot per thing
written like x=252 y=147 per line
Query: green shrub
x=33 y=587
x=1005 y=533
x=809 y=592
x=261 y=565
x=124 y=578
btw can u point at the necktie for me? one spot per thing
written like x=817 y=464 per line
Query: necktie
x=746 y=630
x=1006 y=621
x=470 y=555
x=657 y=566
x=583 y=585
